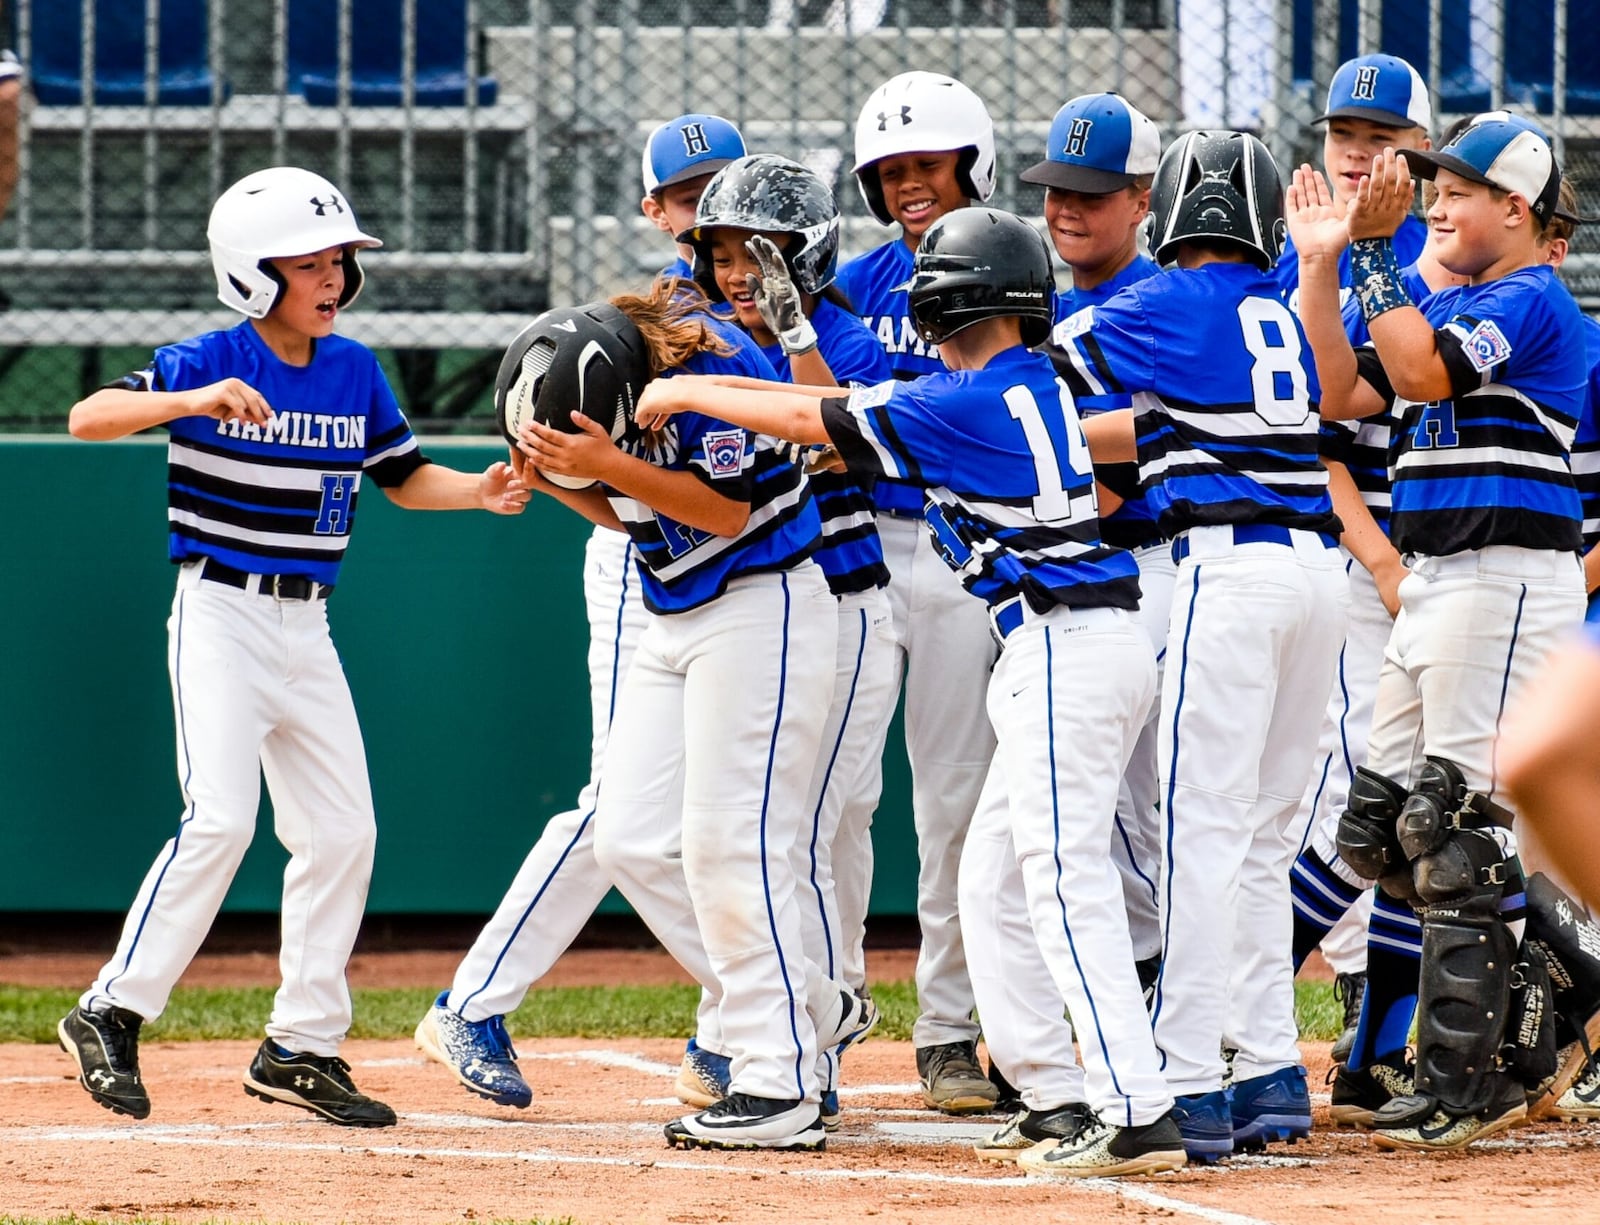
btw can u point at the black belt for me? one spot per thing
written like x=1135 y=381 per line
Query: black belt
x=278 y=586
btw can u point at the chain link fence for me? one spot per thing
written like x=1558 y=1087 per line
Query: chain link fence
x=494 y=144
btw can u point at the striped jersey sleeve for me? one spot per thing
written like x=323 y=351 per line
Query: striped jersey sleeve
x=1492 y=464
x=280 y=497
x=1224 y=396
x=682 y=567
x=1011 y=499
x=1586 y=440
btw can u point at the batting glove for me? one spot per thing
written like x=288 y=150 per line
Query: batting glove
x=778 y=299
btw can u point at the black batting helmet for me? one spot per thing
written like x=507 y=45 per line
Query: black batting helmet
x=979 y=263
x=772 y=195
x=590 y=358
x=1221 y=187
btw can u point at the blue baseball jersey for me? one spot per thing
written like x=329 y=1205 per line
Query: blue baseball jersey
x=1224 y=394
x=1408 y=240
x=1492 y=464
x=1586 y=440
x=1133 y=524
x=1011 y=499
x=1362 y=446
x=682 y=567
x=679 y=267
x=278 y=498
x=875 y=284
x=851 y=554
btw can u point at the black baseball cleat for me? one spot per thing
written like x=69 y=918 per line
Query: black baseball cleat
x=1358 y=1095
x=105 y=1046
x=318 y=1083
x=742 y=1121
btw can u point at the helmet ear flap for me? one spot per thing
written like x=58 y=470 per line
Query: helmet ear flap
x=354 y=278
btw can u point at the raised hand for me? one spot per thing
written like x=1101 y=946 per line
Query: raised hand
x=1316 y=222
x=778 y=298
x=1383 y=198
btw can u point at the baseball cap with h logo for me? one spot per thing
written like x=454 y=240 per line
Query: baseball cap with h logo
x=1098 y=143
x=1382 y=89
x=1501 y=153
x=688 y=147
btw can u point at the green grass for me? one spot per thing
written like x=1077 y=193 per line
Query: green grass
x=29 y=1014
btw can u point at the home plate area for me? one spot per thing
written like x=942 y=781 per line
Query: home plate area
x=591 y=1149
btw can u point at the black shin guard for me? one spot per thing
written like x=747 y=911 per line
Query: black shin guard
x=1462 y=1009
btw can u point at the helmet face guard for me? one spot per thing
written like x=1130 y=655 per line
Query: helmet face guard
x=981 y=263
x=769 y=195
x=276 y=214
x=1220 y=187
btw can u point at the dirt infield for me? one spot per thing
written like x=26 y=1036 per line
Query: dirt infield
x=591 y=1148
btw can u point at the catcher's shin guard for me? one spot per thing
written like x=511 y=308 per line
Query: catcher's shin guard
x=1462 y=1007
x=1367 y=839
x=1570 y=943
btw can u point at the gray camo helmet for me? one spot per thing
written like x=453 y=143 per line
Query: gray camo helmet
x=772 y=195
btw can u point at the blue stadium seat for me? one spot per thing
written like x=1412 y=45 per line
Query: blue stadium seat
x=377 y=60
x=1404 y=32
x=1531 y=59
x=56 y=70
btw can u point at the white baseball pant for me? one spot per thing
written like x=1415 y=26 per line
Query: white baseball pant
x=559 y=884
x=1251 y=652
x=945 y=653
x=257 y=689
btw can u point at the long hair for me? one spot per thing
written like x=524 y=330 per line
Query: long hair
x=671 y=318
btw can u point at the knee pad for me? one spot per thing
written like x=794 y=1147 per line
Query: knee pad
x=1367 y=840
x=1433 y=807
x=1462 y=1005
x=1467 y=872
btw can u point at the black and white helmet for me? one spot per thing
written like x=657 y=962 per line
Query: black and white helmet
x=1221 y=187
x=772 y=195
x=589 y=358
x=924 y=112
x=271 y=214
x=981 y=263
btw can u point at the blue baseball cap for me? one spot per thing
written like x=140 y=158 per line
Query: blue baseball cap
x=1498 y=153
x=1098 y=143
x=688 y=147
x=1382 y=89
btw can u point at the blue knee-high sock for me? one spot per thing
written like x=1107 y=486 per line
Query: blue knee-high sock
x=1394 y=962
x=1321 y=897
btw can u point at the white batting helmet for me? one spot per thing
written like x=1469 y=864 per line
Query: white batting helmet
x=282 y=211
x=924 y=112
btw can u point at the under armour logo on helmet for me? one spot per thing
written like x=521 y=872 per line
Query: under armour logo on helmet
x=1366 y=87
x=1078 y=138
x=695 y=143
x=322 y=206
x=885 y=116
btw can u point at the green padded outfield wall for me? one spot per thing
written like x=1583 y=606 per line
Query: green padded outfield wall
x=464 y=638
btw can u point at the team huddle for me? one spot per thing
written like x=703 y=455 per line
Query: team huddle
x=1207 y=579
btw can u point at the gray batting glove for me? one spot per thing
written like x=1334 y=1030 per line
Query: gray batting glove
x=778 y=299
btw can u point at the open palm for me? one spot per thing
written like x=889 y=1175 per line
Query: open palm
x=1316 y=222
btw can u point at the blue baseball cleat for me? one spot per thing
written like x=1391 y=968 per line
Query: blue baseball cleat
x=478 y=1053
x=1270 y=1108
x=1205 y=1120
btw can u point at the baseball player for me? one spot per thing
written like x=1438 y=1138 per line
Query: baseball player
x=1487 y=383
x=766 y=242
x=273 y=423
x=924 y=145
x=1373 y=101
x=720 y=718
x=1100 y=161
x=1012 y=506
x=560 y=884
x=1224 y=429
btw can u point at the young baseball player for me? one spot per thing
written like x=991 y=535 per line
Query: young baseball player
x=924 y=145
x=766 y=242
x=560 y=884
x=1225 y=432
x=718 y=724
x=1012 y=505
x=1100 y=160
x=1487 y=383
x=273 y=423
x=1373 y=101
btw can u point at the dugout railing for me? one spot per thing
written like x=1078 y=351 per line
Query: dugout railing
x=494 y=144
